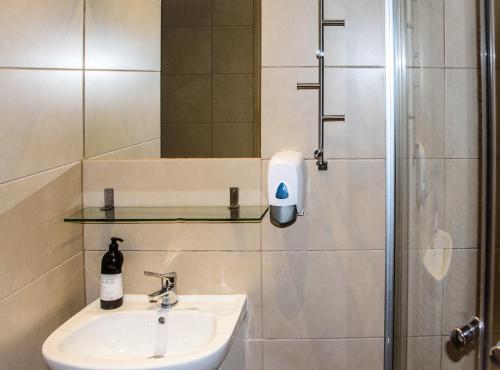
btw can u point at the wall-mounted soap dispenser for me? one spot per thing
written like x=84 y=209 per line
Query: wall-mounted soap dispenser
x=286 y=181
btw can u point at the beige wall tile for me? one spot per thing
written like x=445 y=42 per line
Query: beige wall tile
x=461 y=30
x=289 y=117
x=188 y=12
x=461 y=289
x=172 y=182
x=41 y=122
x=121 y=109
x=462 y=114
x=122 y=34
x=323 y=294
x=338 y=354
x=176 y=236
x=148 y=150
x=425 y=297
x=32 y=313
x=426 y=34
x=427 y=204
x=198 y=273
x=283 y=44
x=344 y=209
x=360 y=43
x=424 y=353
x=359 y=94
x=43 y=33
x=33 y=236
x=253 y=355
x=426 y=106
x=189 y=50
x=462 y=202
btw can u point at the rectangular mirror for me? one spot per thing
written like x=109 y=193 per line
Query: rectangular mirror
x=172 y=79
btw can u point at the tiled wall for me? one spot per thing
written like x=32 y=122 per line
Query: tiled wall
x=210 y=76
x=122 y=79
x=444 y=187
x=41 y=146
x=316 y=289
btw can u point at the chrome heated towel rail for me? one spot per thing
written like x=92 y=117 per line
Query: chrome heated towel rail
x=319 y=154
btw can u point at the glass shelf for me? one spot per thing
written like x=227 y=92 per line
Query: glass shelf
x=168 y=214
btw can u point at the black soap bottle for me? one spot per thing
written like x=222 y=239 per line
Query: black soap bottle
x=111 y=277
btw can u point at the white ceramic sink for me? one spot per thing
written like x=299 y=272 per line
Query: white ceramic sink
x=196 y=335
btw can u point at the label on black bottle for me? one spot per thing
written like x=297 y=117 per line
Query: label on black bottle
x=111 y=287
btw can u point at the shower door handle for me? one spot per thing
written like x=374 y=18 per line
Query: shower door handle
x=460 y=337
x=495 y=355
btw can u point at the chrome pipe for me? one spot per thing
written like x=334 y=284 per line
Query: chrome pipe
x=307 y=86
x=319 y=154
x=334 y=22
x=334 y=118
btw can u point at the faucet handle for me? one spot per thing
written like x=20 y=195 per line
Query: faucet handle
x=169 y=277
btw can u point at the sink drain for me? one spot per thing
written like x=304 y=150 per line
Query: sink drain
x=162 y=320
x=155 y=357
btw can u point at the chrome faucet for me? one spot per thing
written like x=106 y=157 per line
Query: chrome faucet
x=167 y=293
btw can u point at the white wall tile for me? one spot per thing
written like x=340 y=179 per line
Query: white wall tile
x=176 y=236
x=424 y=353
x=123 y=34
x=461 y=289
x=461 y=30
x=462 y=202
x=33 y=236
x=425 y=33
x=148 y=150
x=359 y=94
x=31 y=314
x=344 y=209
x=290 y=33
x=121 y=109
x=338 y=354
x=171 y=182
x=290 y=116
x=323 y=294
x=425 y=296
x=426 y=103
x=42 y=33
x=362 y=41
x=462 y=113
x=41 y=121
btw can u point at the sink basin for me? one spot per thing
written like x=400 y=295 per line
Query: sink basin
x=195 y=335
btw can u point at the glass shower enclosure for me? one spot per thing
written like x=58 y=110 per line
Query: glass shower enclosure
x=441 y=308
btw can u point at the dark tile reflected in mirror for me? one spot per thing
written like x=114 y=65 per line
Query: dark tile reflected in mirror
x=210 y=79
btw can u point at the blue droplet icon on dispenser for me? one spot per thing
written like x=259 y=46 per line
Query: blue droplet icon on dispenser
x=282 y=191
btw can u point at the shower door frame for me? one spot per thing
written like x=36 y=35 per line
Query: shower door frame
x=397 y=183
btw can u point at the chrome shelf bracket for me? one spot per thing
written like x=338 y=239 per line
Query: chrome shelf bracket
x=319 y=154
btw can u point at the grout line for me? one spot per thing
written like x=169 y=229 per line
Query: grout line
x=328 y=66
x=243 y=250
x=68 y=69
x=316 y=339
x=124 y=148
x=41 y=171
